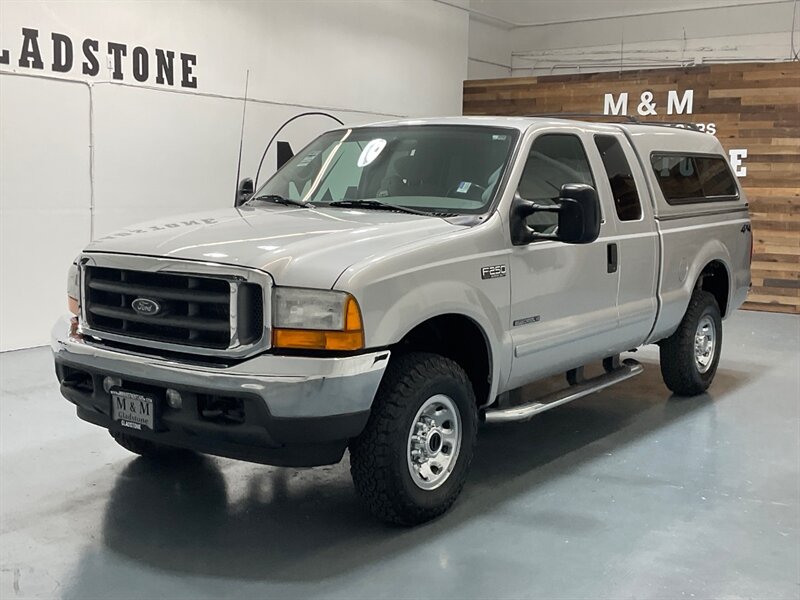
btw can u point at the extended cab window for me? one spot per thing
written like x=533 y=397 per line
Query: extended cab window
x=554 y=160
x=691 y=178
x=620 y=178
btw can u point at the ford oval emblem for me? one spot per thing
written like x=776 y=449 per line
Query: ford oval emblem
x=146 y=306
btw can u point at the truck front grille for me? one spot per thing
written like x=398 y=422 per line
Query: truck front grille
x=173 y=308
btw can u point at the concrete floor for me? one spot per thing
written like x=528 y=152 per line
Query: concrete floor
x=624 y=494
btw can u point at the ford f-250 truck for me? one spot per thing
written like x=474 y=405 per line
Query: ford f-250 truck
x=388 y=286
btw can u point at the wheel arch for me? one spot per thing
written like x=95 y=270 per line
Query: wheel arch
x=715 y=278
x=460 y=338
x=685 y=271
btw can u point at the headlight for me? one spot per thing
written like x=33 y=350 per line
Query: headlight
x=315 y=320
x=73 y=288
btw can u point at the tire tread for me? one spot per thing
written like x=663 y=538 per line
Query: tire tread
x=677 y=351
x=372 y=463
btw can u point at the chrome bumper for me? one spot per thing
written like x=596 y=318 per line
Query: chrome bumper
x=290 y=386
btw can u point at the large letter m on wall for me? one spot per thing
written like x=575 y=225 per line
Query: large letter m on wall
x=621 y=106
x=684 y=105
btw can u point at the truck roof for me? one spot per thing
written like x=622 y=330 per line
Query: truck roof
x=524 y=122
x=521 y=123
x=648 y=136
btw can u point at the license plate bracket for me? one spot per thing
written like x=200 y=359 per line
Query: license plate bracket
x=133 y=410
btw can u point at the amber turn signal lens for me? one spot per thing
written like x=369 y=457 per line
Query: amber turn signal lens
x=311 y=339
x=352 y=316
x=352 y=338
x=72 y=304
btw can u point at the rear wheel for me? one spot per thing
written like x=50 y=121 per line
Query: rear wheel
x=411 y=461
x=689 y=357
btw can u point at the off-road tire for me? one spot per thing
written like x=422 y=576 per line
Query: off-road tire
x=678 y=367
x=143 y=447
x=378 y=457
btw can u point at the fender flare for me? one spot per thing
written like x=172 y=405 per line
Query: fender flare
x=404 y=315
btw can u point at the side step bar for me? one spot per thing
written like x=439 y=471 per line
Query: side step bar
x=627 y=369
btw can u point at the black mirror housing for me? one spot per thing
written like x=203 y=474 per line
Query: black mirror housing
x=578 y=209
x=245 y=190
x=579 y=214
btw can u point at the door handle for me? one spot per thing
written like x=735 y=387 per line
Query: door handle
x=612 y=256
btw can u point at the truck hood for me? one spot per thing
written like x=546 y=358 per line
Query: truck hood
x=297 y=246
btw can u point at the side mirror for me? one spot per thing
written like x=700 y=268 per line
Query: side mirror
x=244 y=191
x=578 y=211
x=579 y=214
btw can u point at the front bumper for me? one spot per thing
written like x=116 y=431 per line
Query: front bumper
x=297 y=411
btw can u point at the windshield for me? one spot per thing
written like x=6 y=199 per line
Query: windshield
x=428 y=168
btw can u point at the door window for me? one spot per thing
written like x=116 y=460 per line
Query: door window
x=555 y=159
x=620 y=178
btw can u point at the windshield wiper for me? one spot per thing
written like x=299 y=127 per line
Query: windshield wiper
x=278 y=199
x=377 y=205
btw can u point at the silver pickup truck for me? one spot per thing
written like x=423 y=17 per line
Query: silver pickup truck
x=391 y=284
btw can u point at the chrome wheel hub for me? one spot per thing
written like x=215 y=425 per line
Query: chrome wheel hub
x=705 y=341
x=434 y=442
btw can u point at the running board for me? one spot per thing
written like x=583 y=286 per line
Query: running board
x=627 y=369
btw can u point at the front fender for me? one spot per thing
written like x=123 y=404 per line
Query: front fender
x=403 y=307
x=405 y=287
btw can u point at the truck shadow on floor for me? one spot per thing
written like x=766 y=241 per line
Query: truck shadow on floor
x=213 y=517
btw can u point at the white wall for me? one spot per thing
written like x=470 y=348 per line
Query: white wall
x=82 y=155
x=490 y=50
x=544 y=37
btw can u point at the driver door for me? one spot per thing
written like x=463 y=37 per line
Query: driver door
x=563 y=297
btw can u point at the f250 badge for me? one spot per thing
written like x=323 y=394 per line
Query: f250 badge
x=493 y=272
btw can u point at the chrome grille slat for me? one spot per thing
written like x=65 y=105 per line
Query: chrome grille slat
x=183 y=322
x=141 y=290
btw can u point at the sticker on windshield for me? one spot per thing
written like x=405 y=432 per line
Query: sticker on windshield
x=371 y=152
x=308 y=158
x=463 y=187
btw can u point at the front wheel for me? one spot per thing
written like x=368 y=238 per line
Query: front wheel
x=689 y=357
x=411 y=461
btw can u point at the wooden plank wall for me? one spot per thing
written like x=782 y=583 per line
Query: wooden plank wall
x=755 y=106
